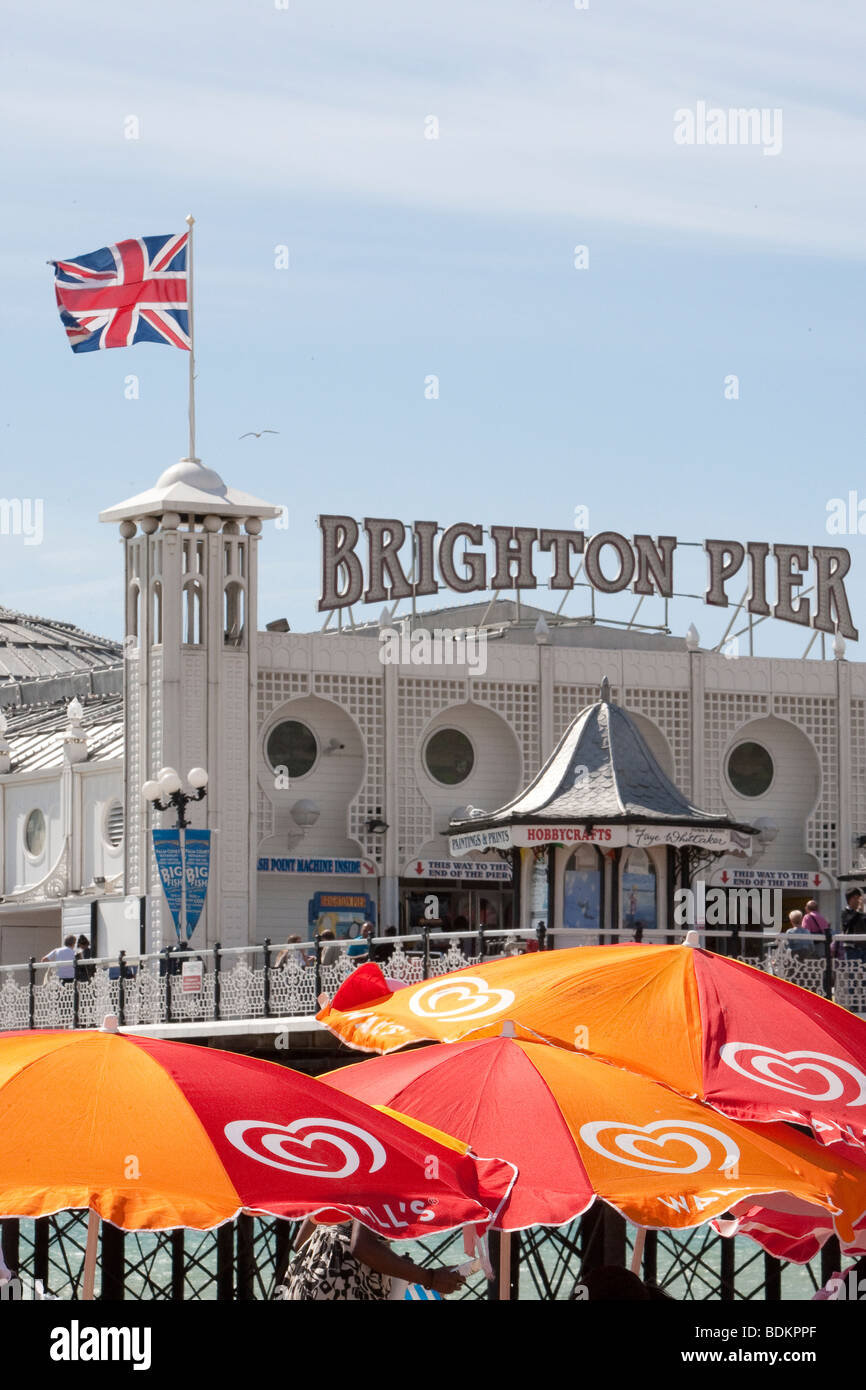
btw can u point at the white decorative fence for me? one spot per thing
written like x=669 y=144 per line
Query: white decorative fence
x=276 y=981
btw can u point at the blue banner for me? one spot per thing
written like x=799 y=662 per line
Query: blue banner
x=197 y=858
x=169 y=861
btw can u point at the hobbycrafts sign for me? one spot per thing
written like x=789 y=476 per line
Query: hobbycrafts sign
x=469 y=558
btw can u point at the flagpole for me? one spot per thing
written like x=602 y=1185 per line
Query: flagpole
x=190 y=222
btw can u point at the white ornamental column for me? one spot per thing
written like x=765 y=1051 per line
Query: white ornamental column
x=190 y=680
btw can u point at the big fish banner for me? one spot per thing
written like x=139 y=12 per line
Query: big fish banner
x=169 y=861
x=197 y=870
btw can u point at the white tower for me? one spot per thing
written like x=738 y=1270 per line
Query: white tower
x=190 y=552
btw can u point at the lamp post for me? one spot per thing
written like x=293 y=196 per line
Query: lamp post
x=166 y=791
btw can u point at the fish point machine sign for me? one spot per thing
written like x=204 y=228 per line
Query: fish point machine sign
x=644 y=564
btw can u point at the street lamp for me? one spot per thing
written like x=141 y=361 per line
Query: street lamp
x=166 y=790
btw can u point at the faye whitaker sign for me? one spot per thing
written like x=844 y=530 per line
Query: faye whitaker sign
x=644 y=564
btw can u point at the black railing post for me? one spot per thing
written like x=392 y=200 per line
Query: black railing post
x=246 y=1263
x=75 y=996
x=772 y=1279
x=494 y=1250
x=317 y=946
x=217 y=983
x=638 y=931
x=166 y=962
x=425 y=932
x=177 y=1265
x=121 y=995
x=515 y=1265
x=831 y=1259
x=226 y=1262
x=9 y=1233
x=112 y=1259
x=541 y=936
x=727 y=1270
x=31 y=971
x=829 y=980
x=41 y=1232
x=267 y=1003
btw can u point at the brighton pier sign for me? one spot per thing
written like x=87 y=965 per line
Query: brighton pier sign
x=469 y=558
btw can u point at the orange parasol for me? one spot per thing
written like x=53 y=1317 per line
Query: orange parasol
x=578 y=1128
x=152 y=1135
x=754 y=1047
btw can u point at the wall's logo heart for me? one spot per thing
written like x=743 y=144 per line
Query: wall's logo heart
x=468 y=996
x=643 y=1146
x=267 y=1142
x=812 y=1075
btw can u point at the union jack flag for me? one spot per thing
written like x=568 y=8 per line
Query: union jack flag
x=134 y=292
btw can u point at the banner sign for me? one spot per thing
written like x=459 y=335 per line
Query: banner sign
x=268 y=865
x=498 y=871
x=789 y=880
x=470 y=558
x=722 y=841
x=169 y=862
x=481 y=839
x=197 y=867
x=606 y=836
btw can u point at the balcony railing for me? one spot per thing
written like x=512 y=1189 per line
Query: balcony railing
x=285 y=981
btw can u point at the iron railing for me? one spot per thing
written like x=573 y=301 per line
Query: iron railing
x=271 y=981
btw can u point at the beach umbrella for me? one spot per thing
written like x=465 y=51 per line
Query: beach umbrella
x=788 y=1229
x=578 y=1129
x=152 y=1135
x=754 y=1047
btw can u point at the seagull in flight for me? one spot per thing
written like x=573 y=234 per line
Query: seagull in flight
x=258 y=433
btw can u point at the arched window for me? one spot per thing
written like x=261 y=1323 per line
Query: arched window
x=581 y=892
x=133 y=614
x=156 y=613
x=639 y=900
x=234 y=620
x=192 y=613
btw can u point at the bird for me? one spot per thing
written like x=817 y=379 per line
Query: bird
x=258 y=433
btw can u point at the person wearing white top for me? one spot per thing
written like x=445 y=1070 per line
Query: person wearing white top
x=64 y=956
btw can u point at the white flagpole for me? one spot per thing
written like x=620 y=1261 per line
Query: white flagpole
x=190 y=222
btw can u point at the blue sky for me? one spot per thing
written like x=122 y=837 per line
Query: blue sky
x=602 y=387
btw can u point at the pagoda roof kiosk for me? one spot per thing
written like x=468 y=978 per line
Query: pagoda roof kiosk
x=601 y=837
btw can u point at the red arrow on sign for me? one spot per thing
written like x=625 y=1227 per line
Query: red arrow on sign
x=817 y=880
x=724 y=875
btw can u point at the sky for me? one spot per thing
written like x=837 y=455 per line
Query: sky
x=306 y=125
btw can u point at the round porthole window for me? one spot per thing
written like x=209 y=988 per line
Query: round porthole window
x=449 y=757
x=750 y=769
x=34 y=834
x=293 y=746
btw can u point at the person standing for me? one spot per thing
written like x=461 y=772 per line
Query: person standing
x=64 y=957
x=813 y=921
x=853 y=923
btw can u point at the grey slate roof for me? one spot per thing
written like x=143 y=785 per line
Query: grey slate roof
x=35 y=735
x=601 y=771
x=41 y=648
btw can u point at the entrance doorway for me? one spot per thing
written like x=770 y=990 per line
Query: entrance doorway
x=445 y=906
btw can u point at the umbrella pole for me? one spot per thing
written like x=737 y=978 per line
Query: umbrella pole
x=504 y=1265
x=637 y=1252
x=89 y=1275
